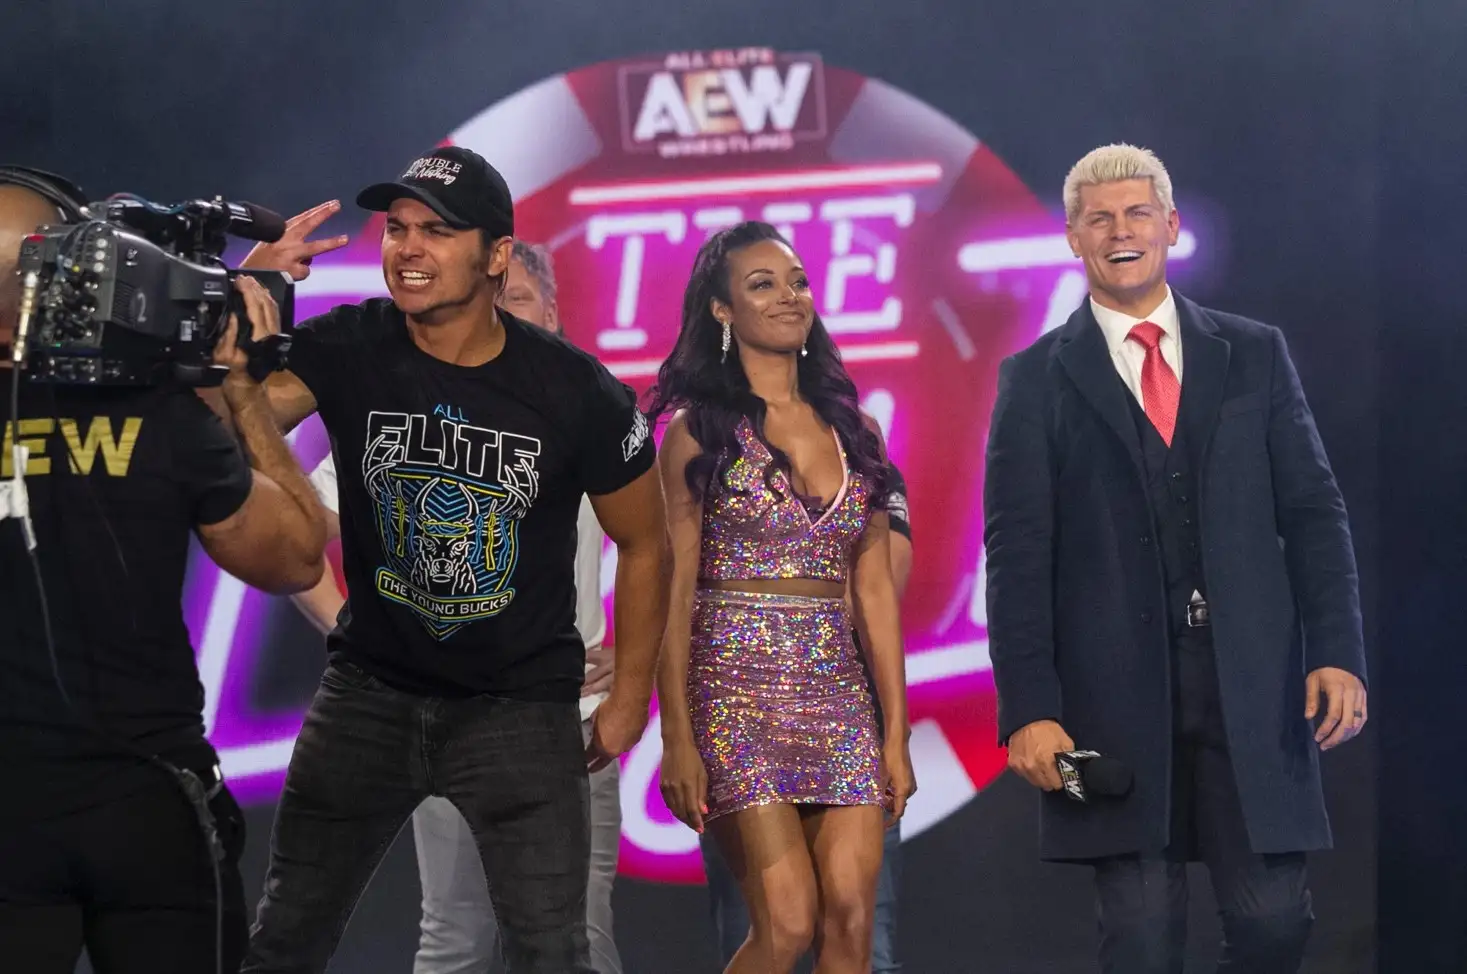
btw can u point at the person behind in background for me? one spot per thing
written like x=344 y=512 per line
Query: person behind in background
x=108 y=772
x=1171 y=583
x=730 y=916
x=775 y=488
x=459 y=933
x=464 y=440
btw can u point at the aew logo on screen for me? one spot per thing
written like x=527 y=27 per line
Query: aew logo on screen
x=722 y=103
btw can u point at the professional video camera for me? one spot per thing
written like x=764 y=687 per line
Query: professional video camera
x=137 y=294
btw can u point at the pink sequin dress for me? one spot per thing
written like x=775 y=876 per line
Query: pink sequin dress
x=781 y=707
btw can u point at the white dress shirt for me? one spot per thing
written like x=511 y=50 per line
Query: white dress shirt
x=1128 y=355
x=323 y=478
x=590 y=610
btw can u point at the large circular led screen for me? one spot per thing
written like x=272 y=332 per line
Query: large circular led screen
x=930 y=261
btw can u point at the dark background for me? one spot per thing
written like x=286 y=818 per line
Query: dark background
x=1323 y=137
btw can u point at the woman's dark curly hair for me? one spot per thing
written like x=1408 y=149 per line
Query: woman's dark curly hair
x=715 y=392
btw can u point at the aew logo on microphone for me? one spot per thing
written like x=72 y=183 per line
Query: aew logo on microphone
x=717 y=103
x=1069 y=770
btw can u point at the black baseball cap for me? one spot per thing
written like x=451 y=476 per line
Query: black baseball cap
x=457 y=184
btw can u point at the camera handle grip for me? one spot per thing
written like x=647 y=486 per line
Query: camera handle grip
x=269 y=354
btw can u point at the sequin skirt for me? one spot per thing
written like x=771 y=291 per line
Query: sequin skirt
x=781 y=708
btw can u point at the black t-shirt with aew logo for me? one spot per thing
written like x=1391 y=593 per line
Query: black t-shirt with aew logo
x=459 y=489
x=118 y=479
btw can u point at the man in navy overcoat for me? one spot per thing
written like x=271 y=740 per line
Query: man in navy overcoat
x=1171 y=583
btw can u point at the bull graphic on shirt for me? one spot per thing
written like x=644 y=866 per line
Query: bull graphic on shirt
x=448 y=498
x=450 y=530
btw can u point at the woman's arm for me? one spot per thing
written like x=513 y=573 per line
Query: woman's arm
x=875 y=604
x=684 y=780
x=878 y=619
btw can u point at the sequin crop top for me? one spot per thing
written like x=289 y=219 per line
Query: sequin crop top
x=750 y=532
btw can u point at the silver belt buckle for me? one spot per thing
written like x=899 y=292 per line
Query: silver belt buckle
x=1197 y=615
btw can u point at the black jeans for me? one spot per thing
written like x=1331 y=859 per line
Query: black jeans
x=1263 y=900
x=130 y=880
x=367 y=756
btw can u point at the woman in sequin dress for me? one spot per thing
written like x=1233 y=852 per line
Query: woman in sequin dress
x=770 y=733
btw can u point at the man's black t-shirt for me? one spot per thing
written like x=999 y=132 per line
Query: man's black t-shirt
x=896 y=502
x=117 y=481
x=459 y=488
x=897 y=515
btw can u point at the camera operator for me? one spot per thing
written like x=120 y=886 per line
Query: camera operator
x=100 y=699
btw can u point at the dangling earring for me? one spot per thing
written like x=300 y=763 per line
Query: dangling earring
x=803 y=350
x=727 y=340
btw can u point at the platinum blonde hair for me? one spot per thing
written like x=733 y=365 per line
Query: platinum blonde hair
x=1111 y=164
x=538 y=263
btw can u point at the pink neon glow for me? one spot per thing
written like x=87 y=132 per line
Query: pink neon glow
x=944 y=263
x=872 y=352
x=880 y=351
x=845 y=177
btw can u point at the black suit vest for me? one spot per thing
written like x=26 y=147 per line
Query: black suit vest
x=1171 y=491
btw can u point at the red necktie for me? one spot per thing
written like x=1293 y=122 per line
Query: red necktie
x=1160 y=390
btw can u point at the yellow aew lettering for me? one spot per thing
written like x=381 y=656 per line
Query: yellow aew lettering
x=116 y=450
x=30 y=431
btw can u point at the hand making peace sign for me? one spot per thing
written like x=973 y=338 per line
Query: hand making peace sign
x=293 y=253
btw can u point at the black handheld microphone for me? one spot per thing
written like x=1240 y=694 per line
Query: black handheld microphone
x=181 y=222
x=251 y=221
x=1087 y=775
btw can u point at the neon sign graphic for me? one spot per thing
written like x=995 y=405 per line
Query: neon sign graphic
x=931 y=262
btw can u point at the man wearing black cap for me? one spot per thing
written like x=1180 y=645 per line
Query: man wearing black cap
x=463 y=438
